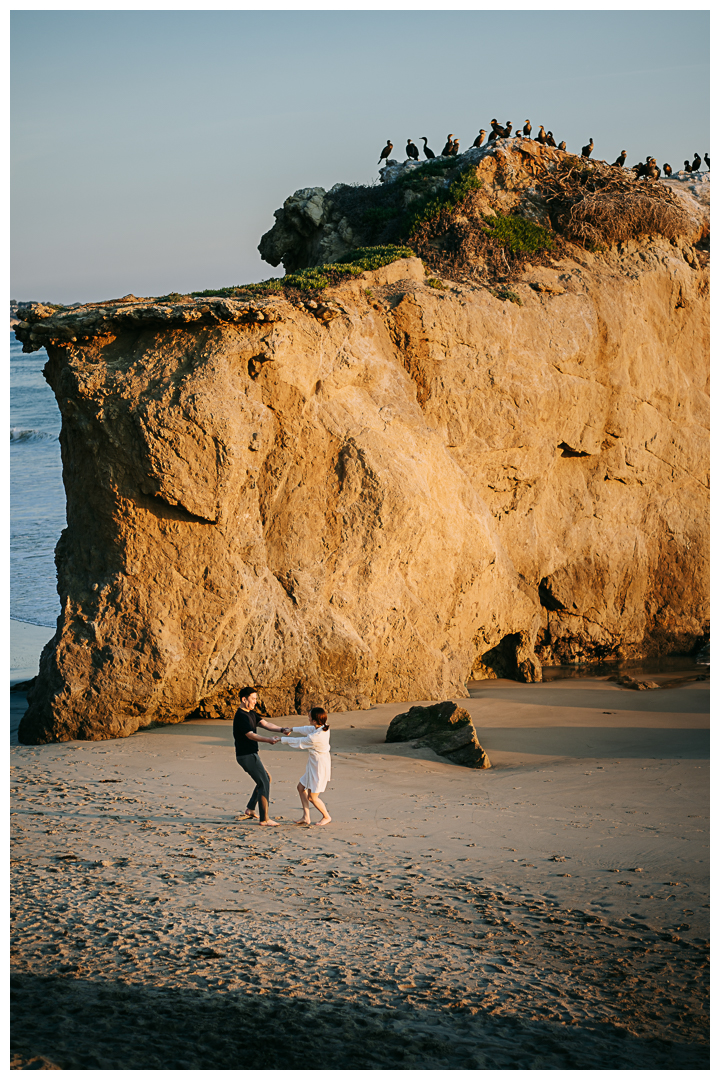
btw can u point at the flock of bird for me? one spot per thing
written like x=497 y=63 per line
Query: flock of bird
x=648 y=168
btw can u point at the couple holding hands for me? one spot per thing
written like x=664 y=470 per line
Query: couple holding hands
x=314 y=737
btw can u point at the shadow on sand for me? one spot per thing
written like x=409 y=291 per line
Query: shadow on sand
x=587 y=742
x=76 y=1024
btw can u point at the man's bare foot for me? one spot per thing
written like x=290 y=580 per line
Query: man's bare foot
x=304 y=821
x=325 y=821
x=268 y=821
x=251 y=814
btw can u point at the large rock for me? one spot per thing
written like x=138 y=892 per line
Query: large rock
x=377 y=498
x=309 y=230
x=445 y=728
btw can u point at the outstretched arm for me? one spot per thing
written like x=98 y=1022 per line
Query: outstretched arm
x=258 y=738
x=273 y=727
x=303 y=743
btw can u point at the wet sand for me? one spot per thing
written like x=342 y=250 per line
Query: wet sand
x=548 y=913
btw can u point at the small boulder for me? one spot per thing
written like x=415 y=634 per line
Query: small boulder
x=445 y=728
x=634 y=684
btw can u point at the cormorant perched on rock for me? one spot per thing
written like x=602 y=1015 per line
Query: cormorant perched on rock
x=498 y=132
x=687 y=166
x=648 y=169
x=562 y=146
x=620 y=159
x=549 y=141
x=644 y=168
x=667 y=169
x=428 y=153
x=447 y=148
x=518 y=134
x=411 y=150
x=455 y=147
x=541 y=137
x=707 y=161
x=697 y=162
x=479 y=140
x=508 y=130
x=527 y=129
x=587 y=150
x=385 y=152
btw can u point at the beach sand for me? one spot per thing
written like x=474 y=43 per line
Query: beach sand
x=548 y=913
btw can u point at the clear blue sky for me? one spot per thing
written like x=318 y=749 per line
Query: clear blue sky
x=150 y=149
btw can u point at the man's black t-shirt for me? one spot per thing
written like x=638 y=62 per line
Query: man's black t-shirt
x=242 y=724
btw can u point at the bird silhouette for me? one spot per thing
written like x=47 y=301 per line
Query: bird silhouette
x=620 y=159
x=697 y=162
x=385 y=152
x=455 y=147
x=411 y=150
x=498 y=132
x=527 y=129
x=563 y=145
x=587 y=150
x=481 y=136
x=707 y=161
x=687 y=166
x=549 y=141
x=447 y=148
x=667 y=169
x=428 y=152
x=541 y=137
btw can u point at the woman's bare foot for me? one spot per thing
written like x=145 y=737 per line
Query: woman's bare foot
x=250 y=814
x=268 y=821
x=325 y=821
x=304 y=821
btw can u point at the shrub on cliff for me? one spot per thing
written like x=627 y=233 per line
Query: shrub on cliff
x=315 y=278
x=518 y=235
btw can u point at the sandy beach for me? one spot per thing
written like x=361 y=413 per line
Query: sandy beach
x=550 y=912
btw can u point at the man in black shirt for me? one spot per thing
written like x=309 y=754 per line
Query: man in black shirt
x=246 y=738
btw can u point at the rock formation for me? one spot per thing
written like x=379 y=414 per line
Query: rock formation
x=377 y=497
x=315 y=226
x=445 y=728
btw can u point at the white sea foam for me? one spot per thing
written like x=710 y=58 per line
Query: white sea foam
x=23 y=435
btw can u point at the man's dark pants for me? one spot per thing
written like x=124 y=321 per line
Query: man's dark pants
x=254 y=767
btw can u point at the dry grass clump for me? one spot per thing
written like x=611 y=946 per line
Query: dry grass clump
x=599 y=204
x=605 y=218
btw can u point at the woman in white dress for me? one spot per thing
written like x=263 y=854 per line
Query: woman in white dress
x=314 y=737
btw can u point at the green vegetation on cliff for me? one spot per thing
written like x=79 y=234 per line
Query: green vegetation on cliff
x=315 y=278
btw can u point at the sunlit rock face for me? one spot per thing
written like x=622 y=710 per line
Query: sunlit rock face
x=377 y=498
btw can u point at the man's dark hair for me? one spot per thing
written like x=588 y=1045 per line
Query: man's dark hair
x=247 y=691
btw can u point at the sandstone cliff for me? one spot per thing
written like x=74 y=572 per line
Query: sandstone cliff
x=379 y=496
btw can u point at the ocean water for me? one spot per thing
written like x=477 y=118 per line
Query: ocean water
x=37 y=496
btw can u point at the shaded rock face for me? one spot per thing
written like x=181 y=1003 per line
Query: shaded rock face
x=445 y=728
x=375 y=506
x=309 y=230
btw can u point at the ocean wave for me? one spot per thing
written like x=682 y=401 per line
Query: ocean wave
x=29 y=435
